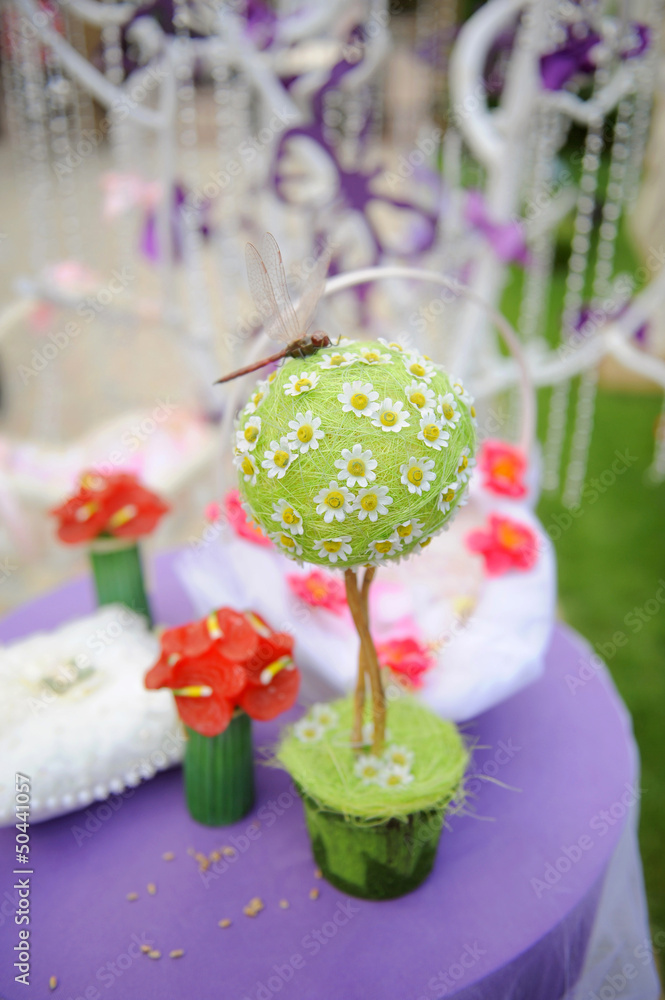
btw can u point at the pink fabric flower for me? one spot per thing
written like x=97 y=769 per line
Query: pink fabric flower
x=504 y=545
x=407 y=657
x=503 y=467
x=319 y=590
x=238 y=520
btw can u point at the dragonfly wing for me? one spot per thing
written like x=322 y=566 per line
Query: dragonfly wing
x=313 y=289
x=264 y=297
x=272 y=258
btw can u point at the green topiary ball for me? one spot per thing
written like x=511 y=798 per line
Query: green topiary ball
x=357 y=454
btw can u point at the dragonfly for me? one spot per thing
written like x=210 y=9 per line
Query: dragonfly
x=283 y=322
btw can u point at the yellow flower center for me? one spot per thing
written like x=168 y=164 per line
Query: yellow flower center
x=257 y=397
x=272 y=376
x=332 y=546
x=417 y=369
x=359 y=401
x=335 y=499
x=85 y=512
x=431 y=432
x=449 y=496
x=463 y=464
x=281 y=458
x=335 y=359
x=388 y=418
x=356 y=467
x=472 y=411
x=369 y=502
x=394 y=779
x=247 y=467
x=395 y=347
x=289 y=516
x=418 y=399
x=426 y=542
x=370 y=771
x=372 y=357
x=404 y=530
x=303 y=383
x=287 y=541
x=398 y=758
x=123 y=515
x=305 y=433
x=447 y=411
x=383 y=547
x=415 y=475
x=251 y=433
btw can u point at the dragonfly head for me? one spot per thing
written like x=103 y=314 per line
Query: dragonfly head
x=320 y=339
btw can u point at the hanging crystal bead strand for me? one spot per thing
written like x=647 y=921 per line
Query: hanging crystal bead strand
x=605 y=252
x=575 y=279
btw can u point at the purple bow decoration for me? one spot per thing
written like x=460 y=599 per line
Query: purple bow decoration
x=505 y=238
x=589 y=320
x=149 y=243
x=575 y=56
x=353 y=187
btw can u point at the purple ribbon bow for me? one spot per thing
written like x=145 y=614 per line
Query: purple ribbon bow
x=505 y=238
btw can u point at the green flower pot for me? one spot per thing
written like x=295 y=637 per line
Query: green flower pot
x=118 y=574
x=219 y=773
x=380 y=860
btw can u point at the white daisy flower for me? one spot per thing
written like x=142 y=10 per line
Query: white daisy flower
x=464 y=499
x=447 y=497
x=356 y=467
x=460 y=391
x=419 y=367
x=372 y=357
x=324 y=715
x=368 y=768
x=383 y=548
x=308 y=730
x=305 y=432
x=335 y=548
x=393 y=344
x=297 y=384
x=391 y=416
x=257 y=397
x=343 y=360
x=371 y=502
x=247 y=465
x=420 y=395
x=287 y=517
x=247 y=438
x=432 y=433
x=359 y=397
x=465 y=467
x=395 y=776
x=334 y=502
x=448 y=410
x=409 y=531
x=417 y=474
x=401 y=756
x=278 y=458
x=286 y=543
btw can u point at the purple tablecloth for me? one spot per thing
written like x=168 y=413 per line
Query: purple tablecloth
x=506 y=913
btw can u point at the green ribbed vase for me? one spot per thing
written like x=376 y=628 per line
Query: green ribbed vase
x=219 y=773
x=377 y=860
x=118 y=576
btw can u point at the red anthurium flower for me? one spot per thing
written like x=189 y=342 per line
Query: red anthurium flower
x=265 y=701
x=227 y=629
x=159 y=675
x=407 y=657
x=206 y=689
x=503 y=467
x=505 y=545
x=115 y=505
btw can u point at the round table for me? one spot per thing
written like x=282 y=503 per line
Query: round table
x=507 y=911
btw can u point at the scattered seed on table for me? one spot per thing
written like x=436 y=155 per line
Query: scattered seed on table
x=177 y=953
x=168 y=856
x=284 y=904
x=318 y=873
x=154 y=953
x=145 y=948
x=225 y=922
x=313 y=893
x=152 y=888
x=53 y=982
x=215 y=856
x=254 y=907
x=229 y=852
x=131 y=896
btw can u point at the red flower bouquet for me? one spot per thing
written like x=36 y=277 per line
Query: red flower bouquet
x=111 y=513
x=224 y=671
x=408 y=658
x=503 y=467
